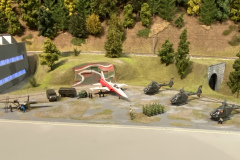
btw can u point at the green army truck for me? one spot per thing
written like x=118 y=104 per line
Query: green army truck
x=67 y=92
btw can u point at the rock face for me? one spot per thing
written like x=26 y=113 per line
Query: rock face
x=206 y=27
x=158 y=28
x=215 y=75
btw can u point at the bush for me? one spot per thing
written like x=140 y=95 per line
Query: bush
x=235 y=40
x=179 y=21
x=132 y=116
x=30 y=36
x=78 y=41
x=33 y=82
x=144 y=33
x=25 y=39
x=76 y=52
x=227 y=32
x=153 y=109
x=232 y=27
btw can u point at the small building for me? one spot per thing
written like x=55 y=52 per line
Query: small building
x=14 y=66
x=90 y=73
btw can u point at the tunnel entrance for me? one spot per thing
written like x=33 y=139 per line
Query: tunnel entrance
x=213 y=81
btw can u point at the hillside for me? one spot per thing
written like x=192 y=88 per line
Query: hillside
x=134 y=70
x=203 y=41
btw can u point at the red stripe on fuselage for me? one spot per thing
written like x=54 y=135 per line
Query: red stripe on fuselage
x=106 y=84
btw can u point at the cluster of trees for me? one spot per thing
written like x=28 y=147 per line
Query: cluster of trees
x=153 y=109
x=167 y=54
x=9 y=19
x=83 y=17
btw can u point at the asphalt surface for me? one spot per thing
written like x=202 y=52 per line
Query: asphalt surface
x=28 y=140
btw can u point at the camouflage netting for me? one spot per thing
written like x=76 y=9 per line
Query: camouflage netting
x=90 y=73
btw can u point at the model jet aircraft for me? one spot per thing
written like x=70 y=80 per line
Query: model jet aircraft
x=182 y=97
x=154 y=87
x=223 y=111
x=108 y=86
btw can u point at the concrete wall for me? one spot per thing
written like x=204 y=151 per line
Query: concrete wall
x=8 y=51
x=219 y=70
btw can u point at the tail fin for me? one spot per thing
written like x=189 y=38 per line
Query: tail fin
x=199 y=91
x=171 y=82
x=102 y=75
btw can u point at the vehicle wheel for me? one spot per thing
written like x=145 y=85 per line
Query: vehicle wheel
x=72 y=96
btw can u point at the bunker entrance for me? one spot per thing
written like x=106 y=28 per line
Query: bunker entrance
x=213 y=81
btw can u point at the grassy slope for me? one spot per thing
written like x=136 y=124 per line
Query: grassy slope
x=133 y=70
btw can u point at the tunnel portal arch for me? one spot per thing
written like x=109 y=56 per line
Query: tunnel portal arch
x=215 y=75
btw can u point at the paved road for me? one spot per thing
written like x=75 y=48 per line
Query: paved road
x=27 y=140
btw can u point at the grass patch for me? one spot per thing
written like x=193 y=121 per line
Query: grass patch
x=25 y=39
x=233 y=121
x=105 y=114
x=227 y=32
x=143 y=33
x=235 y=41
x=72 y=110
x=197 y=114
x=178 y=117
x=24 y=117
x=78 y=41
x=141 y=118
x=181 y=124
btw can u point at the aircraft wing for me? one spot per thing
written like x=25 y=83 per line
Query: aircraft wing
x=97 y=84
x=100 y=88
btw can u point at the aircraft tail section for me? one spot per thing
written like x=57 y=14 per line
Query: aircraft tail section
x=171 y=82
x=199 y=91
x=102 y=75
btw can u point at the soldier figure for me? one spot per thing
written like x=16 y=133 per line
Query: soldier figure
x=220 y=121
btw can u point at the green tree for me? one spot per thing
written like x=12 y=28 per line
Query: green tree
x=208 y=12
x=145 y=15
x=128 y=16
x=77 y=26
x=14 y=24
x=46 y=24
x=154 y=6
x=179 y=21
x=103 y=8
x=83 y=6
x=93 y=24
x=50 y=54
x=3 y=23
x=137 y=5
x=182 y=61
x=29 y=12
x=116 y=23
x=235 y=10
x=113 y=44
x=60 y=15
x=234 y=77
x=182 y=3
x=223 y=10
x=166 y=53
x=5 y=7
x=167 y=9
x=70 y=5
x=193 y=7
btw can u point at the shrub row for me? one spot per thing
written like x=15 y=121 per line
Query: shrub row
x=153 y=109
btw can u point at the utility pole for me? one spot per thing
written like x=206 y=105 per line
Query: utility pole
x=153 y=47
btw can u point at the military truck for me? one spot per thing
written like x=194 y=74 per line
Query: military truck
x=67 y=92
x=82 y=94
x=51 y=95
